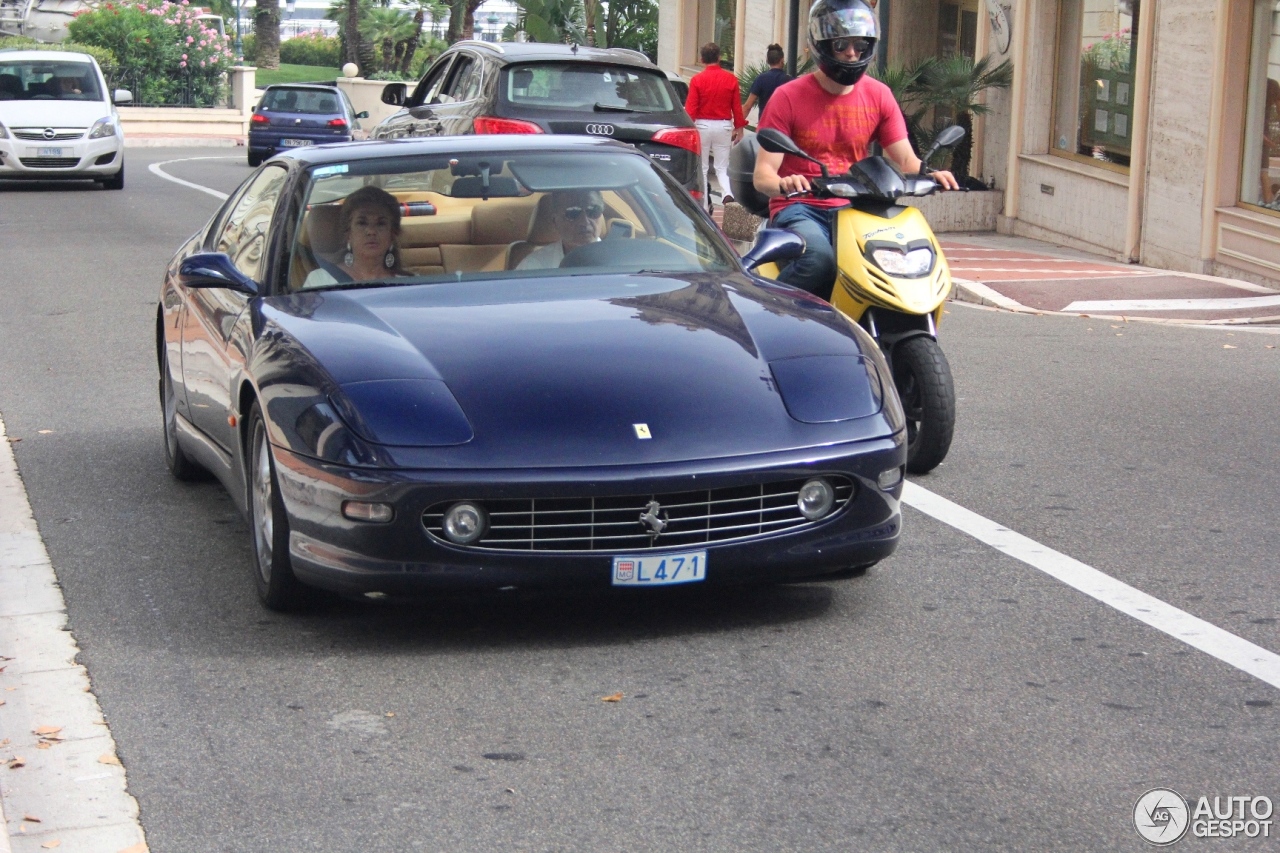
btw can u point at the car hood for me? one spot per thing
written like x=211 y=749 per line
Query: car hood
x=52 y=113
x=592 y=370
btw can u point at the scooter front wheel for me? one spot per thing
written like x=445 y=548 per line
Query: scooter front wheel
x=923 y=377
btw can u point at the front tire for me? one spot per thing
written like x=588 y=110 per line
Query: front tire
x=255 y=160
x=923 y=377
x=116 y=181
x=277 y=586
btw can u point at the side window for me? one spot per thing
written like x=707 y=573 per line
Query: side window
x=429 y=88
x=464 y=82
x=245 y=230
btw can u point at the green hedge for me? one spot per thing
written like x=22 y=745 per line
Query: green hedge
x=105 y=58
x=312 y=49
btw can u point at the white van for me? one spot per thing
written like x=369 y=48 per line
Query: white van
x=57 y=119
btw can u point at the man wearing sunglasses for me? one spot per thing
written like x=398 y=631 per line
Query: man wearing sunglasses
x=579 y=219
x=833 y=114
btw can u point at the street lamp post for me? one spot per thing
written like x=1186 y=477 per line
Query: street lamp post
x=288 y=7
x=239 y=42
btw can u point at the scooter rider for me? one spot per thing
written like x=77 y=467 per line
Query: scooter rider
x=833 y=114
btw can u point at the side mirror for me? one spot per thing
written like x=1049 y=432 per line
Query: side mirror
x=362 y=114
x=393 y=94
x=122 y=96
x=948 y=138
x=773 y=244
x=777 y=142
x=214 y=269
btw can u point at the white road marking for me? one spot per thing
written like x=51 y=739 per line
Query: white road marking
x=1228 y=303
x=155 y=168
x=1195 y=632
x=993 y=297
x=43 y=685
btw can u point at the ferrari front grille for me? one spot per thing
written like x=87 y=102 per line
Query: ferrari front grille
x=613 y=524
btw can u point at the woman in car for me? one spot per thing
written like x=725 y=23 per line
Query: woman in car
x=370 y=225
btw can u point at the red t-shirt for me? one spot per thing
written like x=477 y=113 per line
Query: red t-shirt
x=714 y=94
x=836 y=129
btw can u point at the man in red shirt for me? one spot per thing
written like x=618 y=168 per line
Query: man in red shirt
x=833 y=114
x=715 y=105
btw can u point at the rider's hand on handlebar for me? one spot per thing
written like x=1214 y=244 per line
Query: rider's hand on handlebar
x=792 y=185
x=945 y=179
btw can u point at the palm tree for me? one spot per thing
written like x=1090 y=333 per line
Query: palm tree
x=955 y=84
x=266 y=25
x=389 y=29
x=551 y=21
x=433 y=7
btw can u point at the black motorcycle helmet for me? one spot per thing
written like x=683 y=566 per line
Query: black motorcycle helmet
x=833 y=21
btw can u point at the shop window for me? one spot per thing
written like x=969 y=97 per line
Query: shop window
x=1093 y=100
x=958 y=28
x=1261 y=169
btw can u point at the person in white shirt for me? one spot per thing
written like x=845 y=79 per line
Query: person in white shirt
x=579 y=220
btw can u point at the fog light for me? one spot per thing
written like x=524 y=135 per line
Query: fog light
x=889 y=479
x=816 y=499
x=465 y=523
x=361 y=511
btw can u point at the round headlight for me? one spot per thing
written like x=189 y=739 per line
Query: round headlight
x=816 y=499
x=465 y=523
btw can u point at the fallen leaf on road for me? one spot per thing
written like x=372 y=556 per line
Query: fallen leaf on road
x=49 y=845
x=31 y=818
x=616 y=697
x=1271 y=346
x=1227 y=346
x=44 y=744
x=140 y=847
x=391 y=713
x=108 y=758
x=14 y=440
x=16 y=762
x=44 y=431
x=47 y=730
x=511 y=790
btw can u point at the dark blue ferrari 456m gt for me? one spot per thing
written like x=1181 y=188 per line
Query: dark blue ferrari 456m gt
x=517 y=362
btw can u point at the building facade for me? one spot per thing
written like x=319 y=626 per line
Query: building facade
x=1146 y=130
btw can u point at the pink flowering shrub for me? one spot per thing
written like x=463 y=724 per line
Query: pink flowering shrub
x=163 y=51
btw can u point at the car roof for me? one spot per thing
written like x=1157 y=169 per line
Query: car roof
x=510 y=51
x=46 y=55
x=372 y=150
x=318 y=87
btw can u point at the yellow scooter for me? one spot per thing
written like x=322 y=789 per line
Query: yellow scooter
x=892 y=278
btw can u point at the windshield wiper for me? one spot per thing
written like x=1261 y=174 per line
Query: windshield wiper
x=611 y=108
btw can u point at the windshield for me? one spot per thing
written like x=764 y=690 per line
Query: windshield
x=588 y=88
x=310 y=101
x=529 y=215
x=42 y=80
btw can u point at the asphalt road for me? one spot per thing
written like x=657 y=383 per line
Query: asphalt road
x=954 y=699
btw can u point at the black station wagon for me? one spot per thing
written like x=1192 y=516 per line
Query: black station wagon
x=484 y=88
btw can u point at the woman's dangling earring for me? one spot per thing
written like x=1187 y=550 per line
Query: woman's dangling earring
x=349 y=258
x=390 y=260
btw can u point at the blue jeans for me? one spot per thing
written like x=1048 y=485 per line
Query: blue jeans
x=815 y=270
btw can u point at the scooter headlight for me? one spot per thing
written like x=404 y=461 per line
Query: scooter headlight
x=916 y=262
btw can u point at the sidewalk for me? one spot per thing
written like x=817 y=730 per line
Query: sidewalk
x=1020 y=274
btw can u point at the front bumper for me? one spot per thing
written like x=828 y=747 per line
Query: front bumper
x=401 y=558
x=64 y=159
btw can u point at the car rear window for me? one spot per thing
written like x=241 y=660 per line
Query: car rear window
x=300 y=101
x=587 y=87
x=45 y=80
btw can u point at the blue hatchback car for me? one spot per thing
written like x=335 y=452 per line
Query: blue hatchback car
x=300 y=114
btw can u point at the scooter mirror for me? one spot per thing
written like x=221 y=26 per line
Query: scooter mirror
x=777 y=142
x=773 y=244
x=949 y=136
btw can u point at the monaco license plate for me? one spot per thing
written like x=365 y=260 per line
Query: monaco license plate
x=49 y=152
x=660 y=569
x=295 y=143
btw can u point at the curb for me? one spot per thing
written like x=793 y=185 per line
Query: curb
x=977 y=293
x=70 y=778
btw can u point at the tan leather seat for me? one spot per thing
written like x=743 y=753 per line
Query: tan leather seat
x=542 y=231
x=321 y=239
